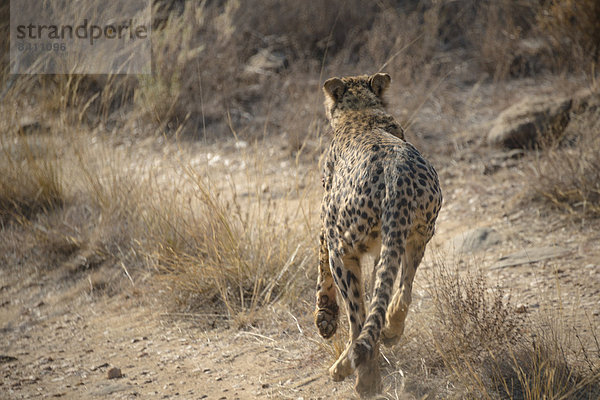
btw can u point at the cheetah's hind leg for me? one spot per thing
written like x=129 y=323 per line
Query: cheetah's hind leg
x=398 y=307
x=368 y=379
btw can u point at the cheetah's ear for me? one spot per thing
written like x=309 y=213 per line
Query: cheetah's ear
x=334 y=88
x=379 y=82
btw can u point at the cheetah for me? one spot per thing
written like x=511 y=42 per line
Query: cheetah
x=381 y=197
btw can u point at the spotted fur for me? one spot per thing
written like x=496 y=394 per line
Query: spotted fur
x=380 y=197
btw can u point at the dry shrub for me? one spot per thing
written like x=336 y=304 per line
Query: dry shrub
x=507 y=38
x=90 y=100
x=30 y=176
x=303 y=30
x=573 y=30
x=491 y=351
x=453 y=336
x=567 y=174
x=489 y=32
x=75 y=98
x=473 y=319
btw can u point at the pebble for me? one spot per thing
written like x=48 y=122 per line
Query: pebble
x=115 y=373
x=521 y=309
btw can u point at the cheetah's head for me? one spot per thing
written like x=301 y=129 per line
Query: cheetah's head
x=355 y=93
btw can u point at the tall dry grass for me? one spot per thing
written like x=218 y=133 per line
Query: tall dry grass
x=213 y=247
x=218 y=249
x=567 y=174
x=30 y=181
x=572 y=30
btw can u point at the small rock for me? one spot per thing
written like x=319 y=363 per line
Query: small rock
x=240 y=144
x=529 y=57
x=29 y=126
x=521 y=309
x=475 y=240
x=7 y=359
x=115 y=373
x=265 y=62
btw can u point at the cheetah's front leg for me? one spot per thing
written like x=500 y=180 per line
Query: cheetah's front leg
x=327 y=311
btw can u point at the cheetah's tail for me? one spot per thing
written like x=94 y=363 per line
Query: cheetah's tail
x=394 y=235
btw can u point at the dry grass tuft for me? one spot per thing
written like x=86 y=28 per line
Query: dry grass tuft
x=568 y=175
x=538 y=368
x=219 y=251
x=30 y=176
